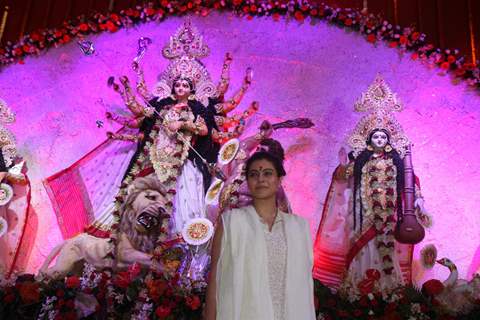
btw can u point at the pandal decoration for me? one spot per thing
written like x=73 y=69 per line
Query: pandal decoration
x=184 y=50
x=428 y=256
x=3 y=226
x=213 y=191
x=228 y=151
x=6 y=194
x=197 y=231
x=380 y=103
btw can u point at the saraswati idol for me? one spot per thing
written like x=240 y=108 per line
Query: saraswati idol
x=369 y=222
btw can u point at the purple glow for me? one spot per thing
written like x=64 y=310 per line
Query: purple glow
x=300 y=71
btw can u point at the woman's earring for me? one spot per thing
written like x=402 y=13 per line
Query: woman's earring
x=388 y=148
x=191 y=97
x=369 y=148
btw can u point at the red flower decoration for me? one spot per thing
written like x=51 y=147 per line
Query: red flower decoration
x=373 y=274
x=393 y=44
x=134 y=270
x=469 y=66
x=36 y=37
x=445 y=65
x=371 y=38
x=237 y=2
x=156 y=288
x=72 y=282
x=116 y=18
x=111 y=26
x=415 y=36
x=150 y=11
x=17 y=52
x=460 y=72
x=193 y=302
x=299 y=16
x=366 y=286
x=432 y=287
x=26 y=48
x=403 y=40
x=29 y=292
x=163 y=311
x=122 y=279
x=348 y=22
x=276 y=16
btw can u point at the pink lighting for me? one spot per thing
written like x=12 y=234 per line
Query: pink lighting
x=300 y=70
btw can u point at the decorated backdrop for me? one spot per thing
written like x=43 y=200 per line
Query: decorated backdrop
x=313 y=70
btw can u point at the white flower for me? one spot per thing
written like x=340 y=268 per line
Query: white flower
x=415 y=308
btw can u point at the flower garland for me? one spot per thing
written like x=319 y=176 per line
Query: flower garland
x=405 y=302
x=373 y=27
x=381 y=198
x=134 y=295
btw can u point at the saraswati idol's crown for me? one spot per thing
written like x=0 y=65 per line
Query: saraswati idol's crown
x=380 y=103
x=184 y=49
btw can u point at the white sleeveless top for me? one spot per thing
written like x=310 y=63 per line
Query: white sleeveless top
x=258 y=277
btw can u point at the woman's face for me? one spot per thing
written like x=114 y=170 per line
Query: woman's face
x=379 y=139
x=181 y=88
x=262 y=179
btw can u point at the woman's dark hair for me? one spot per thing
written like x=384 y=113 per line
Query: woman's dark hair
x=274 y=147
x=270 y=157
x=360 y=162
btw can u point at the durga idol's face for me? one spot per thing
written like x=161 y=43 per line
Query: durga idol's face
x=379 y=139
x=182 y=88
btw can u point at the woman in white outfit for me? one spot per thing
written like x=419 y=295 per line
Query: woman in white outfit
x=261 y=257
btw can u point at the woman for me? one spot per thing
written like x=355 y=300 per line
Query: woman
x=261 y=256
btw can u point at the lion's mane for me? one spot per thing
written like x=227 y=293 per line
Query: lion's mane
x=142 y=242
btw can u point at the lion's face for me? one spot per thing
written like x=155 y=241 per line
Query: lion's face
x=149 y=210
x=144 y=214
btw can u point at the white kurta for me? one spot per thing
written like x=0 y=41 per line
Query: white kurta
x=243 y=272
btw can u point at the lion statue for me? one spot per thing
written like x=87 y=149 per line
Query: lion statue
x=143 y=221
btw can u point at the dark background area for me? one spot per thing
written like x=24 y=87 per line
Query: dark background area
x=451 y=24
